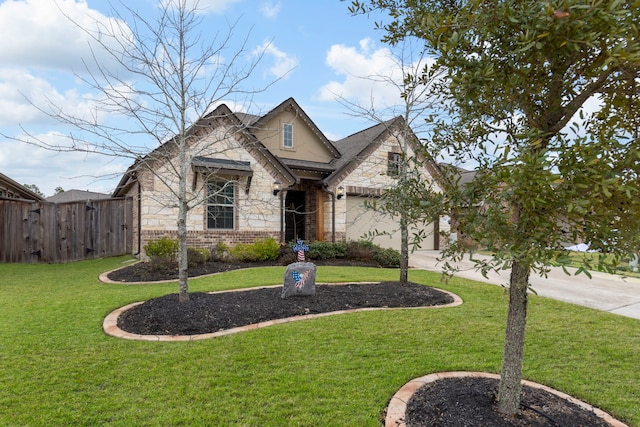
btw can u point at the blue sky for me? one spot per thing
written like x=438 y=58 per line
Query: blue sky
x=325 y=50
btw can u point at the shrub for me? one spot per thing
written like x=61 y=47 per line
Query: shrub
x=387 y=257
x=219 y=252
x=196 y=257
x=163 y=247
x=361 y=250
x=162 y=253
x=266 y=249
x=327 y=250
x=261 y=250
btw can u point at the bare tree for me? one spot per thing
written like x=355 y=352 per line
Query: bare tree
x=169 y=82
x=412 y=200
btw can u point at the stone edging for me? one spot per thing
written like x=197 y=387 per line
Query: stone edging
x=398 y=403
x=110 y=323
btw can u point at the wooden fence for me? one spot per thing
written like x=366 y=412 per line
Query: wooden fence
x=53 y=233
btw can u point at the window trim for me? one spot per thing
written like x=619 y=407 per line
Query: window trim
x=287 y=131
x=223 y=185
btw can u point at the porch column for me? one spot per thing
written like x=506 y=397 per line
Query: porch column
x=320 y=215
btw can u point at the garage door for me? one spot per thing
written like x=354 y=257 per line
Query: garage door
x=361 y=221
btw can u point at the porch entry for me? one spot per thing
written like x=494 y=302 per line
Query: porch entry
x=294 y=215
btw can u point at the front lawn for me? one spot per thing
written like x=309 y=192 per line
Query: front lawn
x=57 y=367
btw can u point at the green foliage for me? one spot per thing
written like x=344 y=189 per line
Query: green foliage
x=366 y=250
x=516 y=75
x=261 y=250
x=219 y=252
x=266 y=249
x=327 y=250
x=387 y=257
x=162 y=247
x=162 y=253
x=196 y=257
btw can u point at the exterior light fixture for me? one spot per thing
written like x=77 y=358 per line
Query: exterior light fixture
x=276 y=187
x=340 y=192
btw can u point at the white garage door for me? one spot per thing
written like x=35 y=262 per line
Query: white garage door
x=362 y=221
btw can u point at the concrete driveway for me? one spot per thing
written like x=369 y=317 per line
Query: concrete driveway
x=606 y=292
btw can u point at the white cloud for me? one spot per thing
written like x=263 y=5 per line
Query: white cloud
x=367 y=75
x=36 y=33
x=49 y=169
x=270 y=9
x=283 y=64
x=21 y=91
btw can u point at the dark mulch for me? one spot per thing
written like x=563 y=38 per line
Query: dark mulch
x=452 y=402
x=471 y=402
x=206 y=313
x=142 y=271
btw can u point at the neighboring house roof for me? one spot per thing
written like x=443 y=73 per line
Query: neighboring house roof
x=12 y=190
x=76 y=196
x=459 y=175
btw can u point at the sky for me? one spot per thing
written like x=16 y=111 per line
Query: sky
x=314 y=51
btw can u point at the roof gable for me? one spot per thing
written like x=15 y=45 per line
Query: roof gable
x=359 y=146
x=309 y=143
x=221 y=116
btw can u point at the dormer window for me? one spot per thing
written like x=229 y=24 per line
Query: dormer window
x=287 y=135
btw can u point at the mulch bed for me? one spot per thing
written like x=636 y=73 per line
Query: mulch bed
x=205 y=313
x=449 y=402
x=471 y=402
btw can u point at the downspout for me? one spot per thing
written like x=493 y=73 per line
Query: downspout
x=281 y=217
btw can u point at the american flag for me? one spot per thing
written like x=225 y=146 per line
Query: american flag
x=300 y=279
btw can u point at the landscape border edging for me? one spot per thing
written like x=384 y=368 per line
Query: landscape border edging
x=397 y=408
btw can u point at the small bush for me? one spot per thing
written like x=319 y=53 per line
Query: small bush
x=219 y=252
x=163 y=247
x=266 y=249
x=196 y=257
x=387 y=257
x=262 y=250
x=327 y=250
x=162 y=253
x=361 y=250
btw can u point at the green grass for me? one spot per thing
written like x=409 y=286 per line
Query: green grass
x=57 y=367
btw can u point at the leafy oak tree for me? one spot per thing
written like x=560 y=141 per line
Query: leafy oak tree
x=543 y=97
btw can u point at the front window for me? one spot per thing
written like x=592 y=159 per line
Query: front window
x=287 y=135
x=220 y=205
x=393 y=164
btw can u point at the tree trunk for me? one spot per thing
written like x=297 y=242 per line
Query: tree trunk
x=511 y=377
x=183 y=273
x=404 y=249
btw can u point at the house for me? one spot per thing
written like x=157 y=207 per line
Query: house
x=76 y=196
x=10 y=189
x=275 y=175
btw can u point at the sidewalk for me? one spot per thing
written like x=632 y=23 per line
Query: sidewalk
x=606 y=292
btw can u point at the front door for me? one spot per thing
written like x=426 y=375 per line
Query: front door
x=294 y=216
